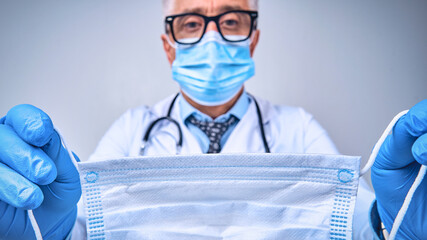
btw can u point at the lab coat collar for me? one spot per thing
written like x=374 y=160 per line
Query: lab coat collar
x=238 y=110
x=247 y=128
x=267 y=109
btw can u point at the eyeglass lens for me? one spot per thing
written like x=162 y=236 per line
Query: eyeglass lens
x=234 y=26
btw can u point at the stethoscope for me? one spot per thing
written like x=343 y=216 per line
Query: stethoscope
x=179 y=142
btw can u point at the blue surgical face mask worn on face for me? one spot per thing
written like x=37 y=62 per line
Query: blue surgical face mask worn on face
x=210 y=196
x=212 y=71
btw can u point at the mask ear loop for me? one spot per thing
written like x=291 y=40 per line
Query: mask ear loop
x=399 y=218
x=35 y=225
x=422 y=172
x=174 y=45
x=30 y=213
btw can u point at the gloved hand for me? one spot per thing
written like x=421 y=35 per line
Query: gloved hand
x=394 y=172
x=35 y=173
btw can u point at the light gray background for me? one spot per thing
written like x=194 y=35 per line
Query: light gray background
x=353 y=64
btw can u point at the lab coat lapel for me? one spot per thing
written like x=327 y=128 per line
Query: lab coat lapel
x=166 y=135
x=246 y=136
x=189 y=142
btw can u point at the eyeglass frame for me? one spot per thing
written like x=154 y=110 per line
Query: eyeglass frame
x=169 y=22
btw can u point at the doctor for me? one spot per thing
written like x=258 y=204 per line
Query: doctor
x=209 y=45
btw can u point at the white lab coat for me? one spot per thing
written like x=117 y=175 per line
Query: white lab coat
x=287 y=129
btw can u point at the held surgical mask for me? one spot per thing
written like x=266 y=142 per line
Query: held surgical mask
x=218 y=196
x=237 y=196
x=212 y=71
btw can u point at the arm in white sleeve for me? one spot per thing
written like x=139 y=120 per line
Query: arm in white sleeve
x=119 y=138
x=316 y=139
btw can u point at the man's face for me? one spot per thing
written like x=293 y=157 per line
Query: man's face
x=207 y=8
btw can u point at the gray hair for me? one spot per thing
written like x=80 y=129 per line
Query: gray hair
x=169 y=4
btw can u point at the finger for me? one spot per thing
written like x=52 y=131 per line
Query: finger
x=416 y=122
x=31 y=124
x=396 y=151
x=31 y=162
x=419 y=149
x=65 y=167
x=35 y=127
x=18 y=191
x=66 y=187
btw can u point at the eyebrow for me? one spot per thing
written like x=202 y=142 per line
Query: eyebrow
x=230 y=8
x=203 y=11
x=194 y=10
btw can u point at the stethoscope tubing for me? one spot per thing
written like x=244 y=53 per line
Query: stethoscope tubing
x=180 y=139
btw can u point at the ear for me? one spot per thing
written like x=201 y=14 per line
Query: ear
x=169 y=50
x=254 y=42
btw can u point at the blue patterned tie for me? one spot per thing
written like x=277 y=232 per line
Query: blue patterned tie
x=214 y=131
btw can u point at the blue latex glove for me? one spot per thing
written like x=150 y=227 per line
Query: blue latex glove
x=395 y=169
x=35 y=173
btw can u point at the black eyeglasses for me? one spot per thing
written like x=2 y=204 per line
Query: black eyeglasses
x=189 y=28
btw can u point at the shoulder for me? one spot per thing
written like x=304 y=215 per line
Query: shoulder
x=135 y=113
x=293 y=129
x=297 y=113
x=275 y=113
x=126 y=132
x=142 y=113
x=137 y=119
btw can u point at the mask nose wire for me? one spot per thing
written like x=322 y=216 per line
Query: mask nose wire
x=422 y=172
x=33 y=220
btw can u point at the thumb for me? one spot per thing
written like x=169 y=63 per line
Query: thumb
x=396 y=152
x=419 y=149
x=35 y=127
x=67 y=172
x=31 y=124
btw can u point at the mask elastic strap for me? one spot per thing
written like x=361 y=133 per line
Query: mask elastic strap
x=30 y=213
x=35 y=225
x=401 y=214
x=399 y=218
x=380 y=142
x=171 y=43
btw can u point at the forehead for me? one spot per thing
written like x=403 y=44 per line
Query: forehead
x=208 y=7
